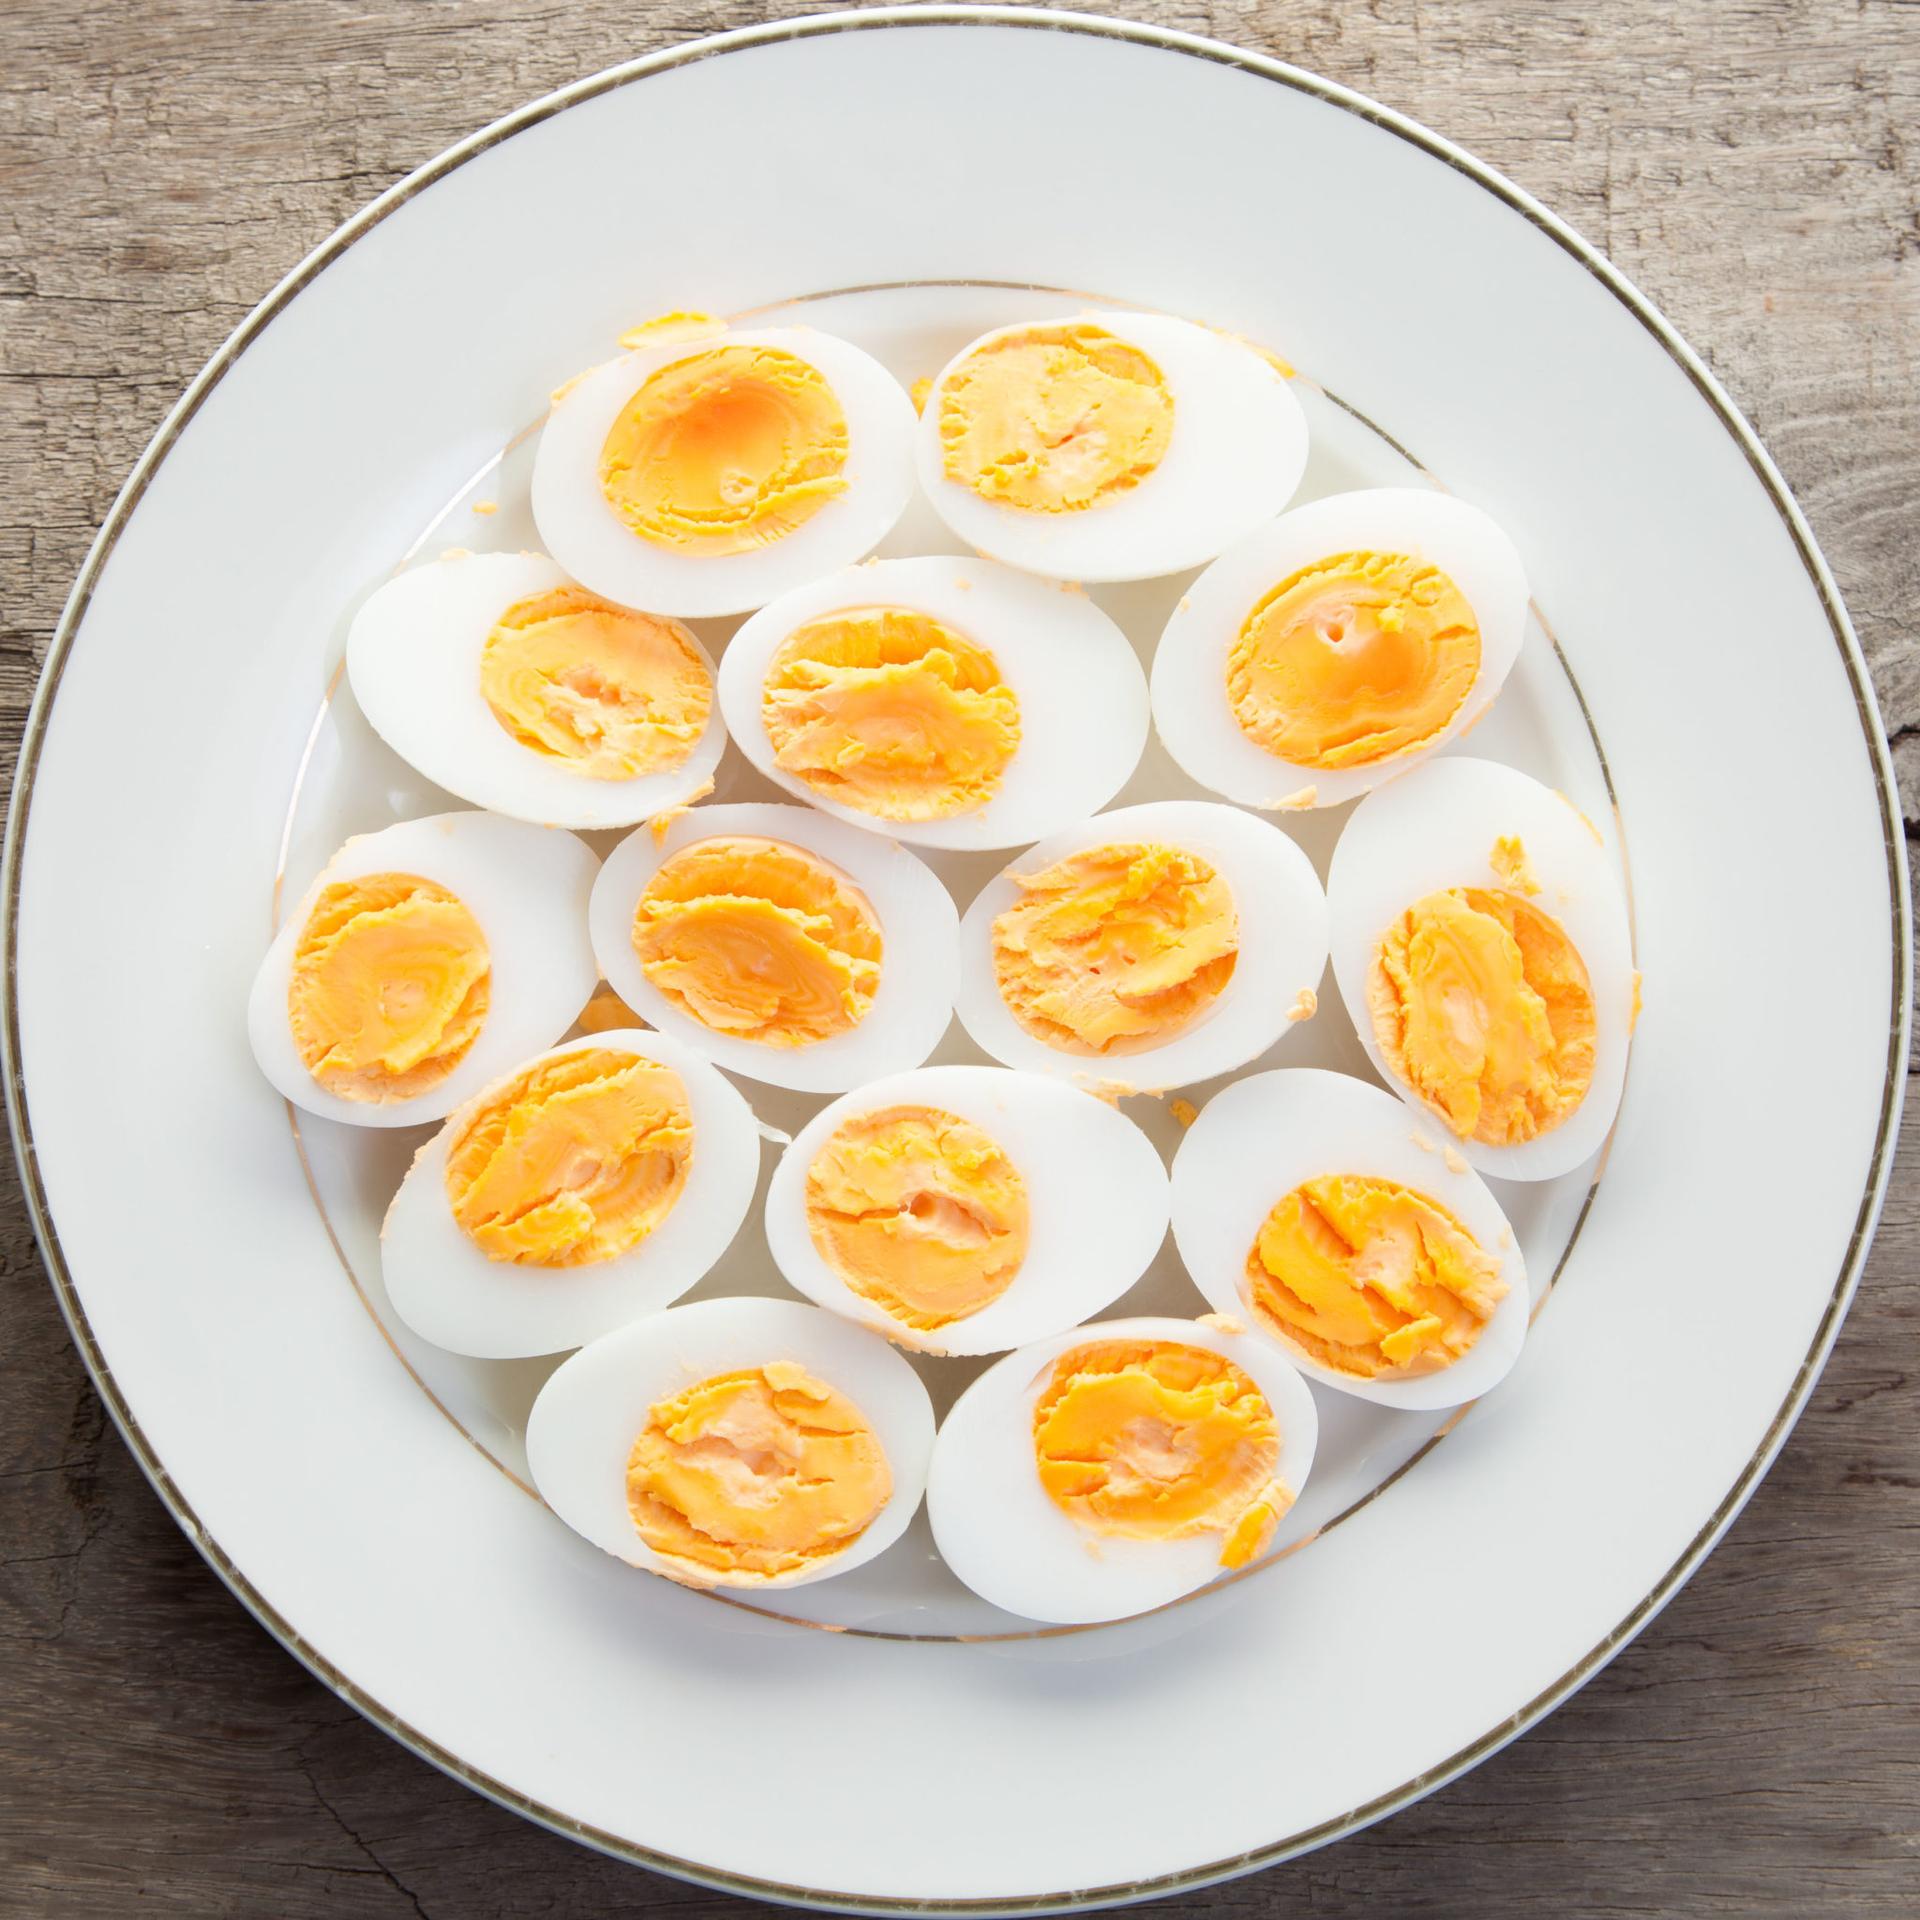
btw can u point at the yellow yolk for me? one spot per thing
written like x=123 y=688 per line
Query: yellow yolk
x=605 y=1012
x=1153 y=1440
x=754 y=1475
x=609 y=692
x=918 y=1211
x=1511 y=866
x=573 y=1161
x=1116 y=948
x=390 y=985
x=892 y=712
x=1371 y=1278
x=1481 y=1005
x=1353 y=659
x=1054 y=419
x=759 y=939
x=725 y=451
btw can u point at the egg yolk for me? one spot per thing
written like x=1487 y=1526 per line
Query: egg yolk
x=892 y=712
x=390 y=985
x=1371 y=1278
x=1154 y=1440
x=1481 y=1005
x=725 y=451
x=1054 y=419
x=573 y=1161
x=1116 y=948
x=605 y=691
x=918 y=1211
x=754 y=1475
x=759 y=939
x=605 y=1012
x=1353 y=659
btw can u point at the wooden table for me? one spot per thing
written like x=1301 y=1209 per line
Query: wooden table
x=1754 y=165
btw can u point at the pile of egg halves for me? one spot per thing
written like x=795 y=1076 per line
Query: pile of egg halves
x=1339 y=1233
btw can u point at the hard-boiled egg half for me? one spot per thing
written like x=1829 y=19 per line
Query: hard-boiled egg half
x=422 y=964
x=1481 y=944
x=1147 y=947
x=735 y=1443
x=1111 y=446
x=1319 y=1211
x=953 y=703
x=1330 y=649
x=967 y=1209
x=1118 y=1466
x=595 y=1183
x=504 y=682
x=783 y=945
x=706 y=475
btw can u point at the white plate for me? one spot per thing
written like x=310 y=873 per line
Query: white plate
x=184 y=703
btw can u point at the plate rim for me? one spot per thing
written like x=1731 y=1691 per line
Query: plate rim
x=1167 y=40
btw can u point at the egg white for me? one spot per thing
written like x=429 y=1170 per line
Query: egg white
x=913 y=1003
x=527 y=886
x=1191 y=710
x=413 y=660
x=588 y=1415
x=451 y=1293
x=1435 y=829
x=1283 y=947
x=1000 y=1532
x=1236 y=452
x=588 y=538
x=1258 y=1139
x=1082 y=694
x=1096 y=1191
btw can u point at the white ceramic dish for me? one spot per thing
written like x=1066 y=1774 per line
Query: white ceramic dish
x=228 y=1322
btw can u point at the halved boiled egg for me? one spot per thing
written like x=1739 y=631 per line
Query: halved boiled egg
x=1330 y=649
x=783 y=945
x=1317 y=1210
x=1111 y=446
x=735 y=1443
x=706 y=475
x=967 y=1209
x=1115 y=1467
x=595 y=1183
x=504 y=682
x=953 y=703
x=1148 y=947
x=1481 y=944
x=422 y=963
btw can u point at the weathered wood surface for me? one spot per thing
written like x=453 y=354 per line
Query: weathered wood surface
x=1754 y=164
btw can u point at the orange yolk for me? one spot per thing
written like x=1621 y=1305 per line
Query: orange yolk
x=918 y=1211
x=759 y=939
x=608 y=692
x=390 y=985
x=606 y=1012
x=754 y=1475
x=892 y=712
x=572 y=1161
x=1371 y=1278
x=1481 y=1005
x=725 y=451
x=1152 y=1440
x=1116 y=948
x=1353 y=659
x=1054 y=419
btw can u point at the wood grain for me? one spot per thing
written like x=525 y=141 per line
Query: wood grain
x=1754 y=166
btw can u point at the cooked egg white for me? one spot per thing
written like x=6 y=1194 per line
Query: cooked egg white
x=738 y=1443
x=423 y=961
x=507 y=684
x=949 y=703
x=1339 y=644
x=1481 y=944
x=966 y=1209
x=1111 y=446
x=1115 y=1467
